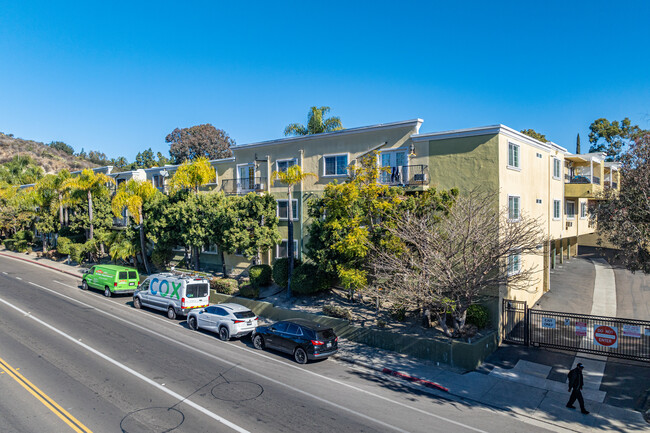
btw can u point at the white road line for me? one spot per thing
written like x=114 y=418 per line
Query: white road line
x=18 y=278
x=131 y=371
x=66 y=285
x=256 y=353
x=4 y=273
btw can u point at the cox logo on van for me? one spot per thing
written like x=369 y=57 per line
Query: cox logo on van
x=164 y=287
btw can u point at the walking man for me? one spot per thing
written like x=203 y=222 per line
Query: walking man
x=575 y=386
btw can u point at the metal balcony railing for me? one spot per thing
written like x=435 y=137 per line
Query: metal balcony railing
x=243 y=186
x=405 y=175
x=582 y=178
x=609 y=184
x=120 y=222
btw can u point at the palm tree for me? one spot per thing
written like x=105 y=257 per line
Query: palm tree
x=315 y=123
x=132 y=195
x=62 y=192
x=192 y=175
x=89 y=183
x=292 y=176
x=122 y=249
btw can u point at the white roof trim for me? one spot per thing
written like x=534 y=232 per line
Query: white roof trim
x=415 y=122
x=487 y=130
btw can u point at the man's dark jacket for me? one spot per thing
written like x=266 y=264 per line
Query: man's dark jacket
x=575 y=378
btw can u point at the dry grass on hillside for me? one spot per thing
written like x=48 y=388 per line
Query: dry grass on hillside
x=52 y=160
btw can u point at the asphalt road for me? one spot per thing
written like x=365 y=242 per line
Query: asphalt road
x=72 y=360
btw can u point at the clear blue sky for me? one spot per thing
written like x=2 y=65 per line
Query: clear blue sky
x=119 y=76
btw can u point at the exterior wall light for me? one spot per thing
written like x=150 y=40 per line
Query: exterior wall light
x=412 y=150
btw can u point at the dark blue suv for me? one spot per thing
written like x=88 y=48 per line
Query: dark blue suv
x=304 y=339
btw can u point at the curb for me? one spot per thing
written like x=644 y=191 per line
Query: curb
x=394 y=373
x=40 y=264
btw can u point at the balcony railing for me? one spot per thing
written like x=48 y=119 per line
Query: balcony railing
x=405 y=175
x=582 y=178
x=243 y=186
x=613 y=185
x=120 y=222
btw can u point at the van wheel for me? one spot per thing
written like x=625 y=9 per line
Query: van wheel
x=107 y=292
x=300 y=355
x=171 y=313
x=224 y=334
x=258 y=342
x=137 y=304
x=192 y=323
x=84 y=285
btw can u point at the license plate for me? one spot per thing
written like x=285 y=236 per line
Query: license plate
x=329 y=345
x=131 y=284
x=249 y=323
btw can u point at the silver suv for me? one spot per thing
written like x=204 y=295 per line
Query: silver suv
x=228 y=320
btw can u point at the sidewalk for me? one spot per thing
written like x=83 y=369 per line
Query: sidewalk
x=524 y=390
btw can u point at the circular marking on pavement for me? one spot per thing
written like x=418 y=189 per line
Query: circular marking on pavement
x=237 y=391
x=152 y=419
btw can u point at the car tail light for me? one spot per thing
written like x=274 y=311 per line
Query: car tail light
x=237 y=321
x=336 y=340
x=114 y=284
x=182 y=302
x=317 y=343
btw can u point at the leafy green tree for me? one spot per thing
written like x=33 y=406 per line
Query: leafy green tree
x=291 y=177
x=316 y=123
x=121 y=247
x=612 y=137
x=199 y=141
x=90 y=184
x=145 y=159
x=46 y=199
x=59 y=145
x=21 y=170
x=162 y=160
x=17 y=211
x=192 y=175
x=536 y=135
x=132 y=195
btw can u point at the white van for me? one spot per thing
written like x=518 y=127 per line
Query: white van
x=175 y=293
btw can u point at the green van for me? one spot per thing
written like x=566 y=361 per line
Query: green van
x=112 y=279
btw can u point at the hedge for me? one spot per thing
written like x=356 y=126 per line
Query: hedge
x=260 y=275
x=281 y=270
x=248 y=291
x=478 y=315
x=226 y=286
x=307 y=280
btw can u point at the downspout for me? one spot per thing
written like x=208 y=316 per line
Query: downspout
x=300 y=206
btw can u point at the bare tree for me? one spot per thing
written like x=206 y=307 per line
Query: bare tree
x=450 y=258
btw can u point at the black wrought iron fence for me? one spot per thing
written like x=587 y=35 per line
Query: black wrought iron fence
x=242 y=186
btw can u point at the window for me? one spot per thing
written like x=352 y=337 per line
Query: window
x=514 y=264
x=220 y=311
x=280 y=326
x=283 y=209
x=197 y=290
x=556 y=209
x=513 y=155
x=513 y=208
x=132 y=275
x=538 y=201
x=539 y=155
x=210 y=249
x=570 y=209
x=583 y=210
x=335 y=165
x=294 y=329
x=122 y=275
x=281 y=165
x=282 y=249
x=157 y=181
x=557 y=168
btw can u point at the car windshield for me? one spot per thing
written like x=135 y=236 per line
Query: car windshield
x=133 y=275
x=122 y=275
x=244 y=314
x=325 y=334
x=199 y=290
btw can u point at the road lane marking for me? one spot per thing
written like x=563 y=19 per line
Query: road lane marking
x=18 y=278
x=176 y=342
x=70 y=420
x=129 y=370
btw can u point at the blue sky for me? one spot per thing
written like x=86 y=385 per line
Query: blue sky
x=119 y=76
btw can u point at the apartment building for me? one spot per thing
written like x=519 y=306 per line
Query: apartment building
x=542 y=180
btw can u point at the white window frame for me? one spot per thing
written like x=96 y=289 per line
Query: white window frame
x=516 y=166
x=294 y=209
x=247 y=164
x=207 y=249
x=510 y=262
x=566 y=209
x=295 y=248
x=557 y=163
x=518 y=200
x=334 y=155
x=559 y=205
x=277 y=161
x=584 y=206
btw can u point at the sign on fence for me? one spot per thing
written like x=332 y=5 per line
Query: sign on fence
x=581 y=329
x=631 y=331
x=606 y=336
x=548 y=322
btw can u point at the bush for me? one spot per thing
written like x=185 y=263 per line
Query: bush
x=478 y=315
x=260 y=275
x=63 y=245
x=9 y=244
x=307 y=280
x=281 y=270
x=21 y=246
x=77 y=252
x=336 y=311
x=24 y=235
x=398 y=312
x=161 y=257
x=226 y=286
x=248 y=291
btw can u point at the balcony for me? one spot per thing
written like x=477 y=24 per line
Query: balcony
x=582 y=184
x=405 y=175
x=243 y=186
x=120 y=222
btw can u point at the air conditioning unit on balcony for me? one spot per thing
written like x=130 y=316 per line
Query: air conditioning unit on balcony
x=420 y=177
x=258 y=187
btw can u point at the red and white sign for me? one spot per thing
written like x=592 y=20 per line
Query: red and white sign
x=581 y=329
x=606 y=336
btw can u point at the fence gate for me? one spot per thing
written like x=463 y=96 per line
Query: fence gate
x=608 y=336
x=514 y=323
